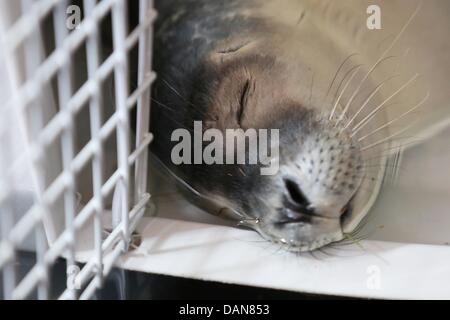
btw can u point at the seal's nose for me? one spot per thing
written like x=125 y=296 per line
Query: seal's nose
x=325 y=173
x=296 y=199
x=299 y=208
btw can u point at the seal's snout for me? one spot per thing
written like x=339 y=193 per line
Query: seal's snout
x=328 y=170
x=319 y=180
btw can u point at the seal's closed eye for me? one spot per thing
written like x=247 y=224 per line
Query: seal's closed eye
x=234 y=48
x=243 y=101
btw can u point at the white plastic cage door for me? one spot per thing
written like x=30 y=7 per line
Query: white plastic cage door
x=61 y=130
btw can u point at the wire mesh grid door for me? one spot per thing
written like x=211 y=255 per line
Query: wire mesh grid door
x=42 y=159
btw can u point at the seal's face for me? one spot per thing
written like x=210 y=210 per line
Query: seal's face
x=267 y=65
x=304 y=203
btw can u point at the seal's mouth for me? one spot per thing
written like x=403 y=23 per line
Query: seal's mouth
x=299 y=217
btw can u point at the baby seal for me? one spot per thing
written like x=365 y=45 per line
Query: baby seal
x=242 y=64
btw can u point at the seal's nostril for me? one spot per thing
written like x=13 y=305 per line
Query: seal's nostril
x=297 y=198
x=295 y=193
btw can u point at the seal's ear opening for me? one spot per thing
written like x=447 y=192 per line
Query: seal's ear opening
x=243 y=101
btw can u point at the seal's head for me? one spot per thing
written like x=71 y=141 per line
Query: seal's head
x=254 y=66
x=304 y=203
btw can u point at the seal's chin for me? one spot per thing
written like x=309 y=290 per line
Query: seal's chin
x=301 y=235
x=299 y=232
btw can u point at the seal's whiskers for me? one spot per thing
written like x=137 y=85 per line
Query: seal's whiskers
x=354 y=71
x=390 y=151
x=358 y=88
x=374 y=92
x=366 y=119
x=389 y=137
x=418 y=105
x=338 y=89
x=337 y=73
x=380 y=60
x=168 y=117
x=183 y=98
